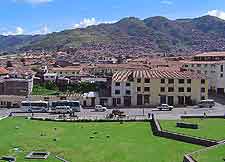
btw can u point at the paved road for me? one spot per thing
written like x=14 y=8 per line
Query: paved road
x=137 y=113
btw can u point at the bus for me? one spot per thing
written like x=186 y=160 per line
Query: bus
x=74 y=105
x=35 y=106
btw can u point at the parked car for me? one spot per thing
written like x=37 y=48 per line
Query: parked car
x=100 y=108
x=116 y=113
x=165 y=107
x=206 y=104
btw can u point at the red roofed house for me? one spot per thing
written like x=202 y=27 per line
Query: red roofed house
x=147 y=88
x=3 y=72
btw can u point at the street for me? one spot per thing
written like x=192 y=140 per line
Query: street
x=133 y=113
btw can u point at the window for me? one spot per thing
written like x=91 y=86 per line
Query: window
x=128 y=84
x=162 y=81
x=60 y=72
x=117 y=84
x=139 y=80
x=170 y=89
x=162 y=89
x=192 y=65
x=221 y=68
x=203 y=90
x=203 y=81
x=117 y=92
x=147 y=89
x=146 y=99
x=171 y=81
x=139 y=89
x=186 y=65
x=181 y=89
x=198 y=65
x=206 y=65
x=147 y=80
x=188 y=89
x=221 y=75
x=128 y=92
x=118 y=101
x=181 y=81
x=189 y=81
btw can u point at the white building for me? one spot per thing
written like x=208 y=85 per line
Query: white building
x=212 y=65
x=50 y=77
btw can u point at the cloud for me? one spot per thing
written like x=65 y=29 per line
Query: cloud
x=18 y=31
x=166 y=2
x=89 y=22
x=43 y=30
x=34 y=1
x=217 y=13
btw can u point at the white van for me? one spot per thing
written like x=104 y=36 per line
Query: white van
x=100 y=108
x=206 y=104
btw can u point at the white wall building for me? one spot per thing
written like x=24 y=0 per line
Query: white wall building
x=50 y=77
x=212 y=65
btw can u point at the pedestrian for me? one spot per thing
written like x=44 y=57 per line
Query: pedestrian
x=149 y=115
x=205 y=115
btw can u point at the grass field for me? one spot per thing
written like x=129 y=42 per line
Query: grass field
x=39 y=90
x=208 y=128
x=128 y=142
x=213 y=155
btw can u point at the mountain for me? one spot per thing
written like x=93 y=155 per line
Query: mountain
x=131 y=35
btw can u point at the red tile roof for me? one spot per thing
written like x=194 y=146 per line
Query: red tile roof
x=213 y=54
x=203 y=62
x=3 y=71
x=156 y=74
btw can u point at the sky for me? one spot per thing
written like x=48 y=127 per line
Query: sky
x=44 y=16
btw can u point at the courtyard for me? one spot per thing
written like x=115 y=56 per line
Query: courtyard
x=88 y=142
x=208 y=128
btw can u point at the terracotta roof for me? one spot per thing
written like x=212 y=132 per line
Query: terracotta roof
x=126 y=66
x=203 y=62
x=213 y=54
x=156 y=74
x=3 y=71
x=67 y=69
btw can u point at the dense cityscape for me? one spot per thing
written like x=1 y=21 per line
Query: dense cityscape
x=133 y=90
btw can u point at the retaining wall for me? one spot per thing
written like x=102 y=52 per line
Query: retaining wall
x=201 y=116
x=156 y=128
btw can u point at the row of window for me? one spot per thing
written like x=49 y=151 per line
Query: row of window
x=200 y=65
x=162 y=89
x=163 y=81
x=117 y=92
x=180 y=89
x=171 y=89
x=67 y=72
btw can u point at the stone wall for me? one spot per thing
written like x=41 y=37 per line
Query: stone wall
x=157 y=130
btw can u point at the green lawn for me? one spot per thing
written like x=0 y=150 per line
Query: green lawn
x=40 y=90
x=212 y=155
x=208 y=128
x=128 y=142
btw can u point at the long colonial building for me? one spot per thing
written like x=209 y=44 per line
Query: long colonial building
x=155 y=87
